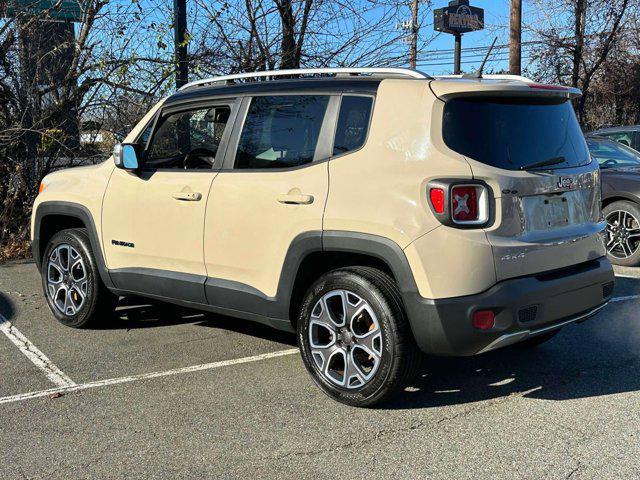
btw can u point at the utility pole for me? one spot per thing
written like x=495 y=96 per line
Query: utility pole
x=515 y=38
x=414 y=33
x=457 y=54
x=180 y=48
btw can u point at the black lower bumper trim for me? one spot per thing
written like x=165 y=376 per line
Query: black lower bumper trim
x=443 y=327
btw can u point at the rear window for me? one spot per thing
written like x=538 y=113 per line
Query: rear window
x=512 y=132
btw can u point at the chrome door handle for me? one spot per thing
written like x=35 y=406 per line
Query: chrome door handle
x=188 y=196
x=295 y=199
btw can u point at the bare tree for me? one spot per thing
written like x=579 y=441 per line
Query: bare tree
x=107 y=69
x=268 y=34
x=52 y=76
x=578 y=37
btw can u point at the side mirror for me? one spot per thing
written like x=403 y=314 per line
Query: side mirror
x=125 y=156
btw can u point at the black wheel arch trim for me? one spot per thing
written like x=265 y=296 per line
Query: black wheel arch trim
x=230 y=294
x=620 y=196
x=79 y=212
x=376 y=246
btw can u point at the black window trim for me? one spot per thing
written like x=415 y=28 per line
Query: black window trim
x=238 y=115
x=366 y=138
x=324 y=147
x=164 y=112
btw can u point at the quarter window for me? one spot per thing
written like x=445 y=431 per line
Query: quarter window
x=281 y=131
x=353 y=123
x=188 y=140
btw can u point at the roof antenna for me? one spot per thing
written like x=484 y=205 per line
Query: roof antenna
x=478 y=74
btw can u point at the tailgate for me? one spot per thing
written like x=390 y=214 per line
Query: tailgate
x=545 y=223
x=530 y=150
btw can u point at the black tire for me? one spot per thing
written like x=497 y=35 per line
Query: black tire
x=633 y=210
x=99 y=303
x=537 y=340
x=399 y=358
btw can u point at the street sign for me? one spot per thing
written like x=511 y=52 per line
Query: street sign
x=459 y=17
x=69 y=10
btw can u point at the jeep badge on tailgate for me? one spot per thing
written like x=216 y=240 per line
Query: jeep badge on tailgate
x=566 y=182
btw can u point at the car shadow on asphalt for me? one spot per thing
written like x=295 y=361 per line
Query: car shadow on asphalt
x=135 y=312
x=598 y=357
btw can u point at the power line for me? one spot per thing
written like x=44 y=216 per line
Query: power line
x=483 y=48
x=528 y=43
x=465 y=61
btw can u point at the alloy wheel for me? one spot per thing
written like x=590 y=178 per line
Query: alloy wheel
x=623 y=234
x=345 y=339
x=67 y=279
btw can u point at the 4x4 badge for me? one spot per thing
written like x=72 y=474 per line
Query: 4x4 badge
x=566 y=182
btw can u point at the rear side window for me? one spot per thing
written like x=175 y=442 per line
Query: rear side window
x=281 y=131
x=353 y=124
x=512 y=132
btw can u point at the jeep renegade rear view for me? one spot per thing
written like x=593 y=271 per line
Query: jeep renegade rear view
x=378 y=213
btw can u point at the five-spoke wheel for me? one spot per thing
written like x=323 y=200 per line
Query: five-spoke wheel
x=71 y=281
x=354 y=336
x=345 y=338
x=67 y=280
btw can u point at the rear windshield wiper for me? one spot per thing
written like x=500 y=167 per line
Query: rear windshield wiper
x=544 y=163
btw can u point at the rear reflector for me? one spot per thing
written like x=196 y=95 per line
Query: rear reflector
x=484 y=319
x=436 y=195
x=464 y=201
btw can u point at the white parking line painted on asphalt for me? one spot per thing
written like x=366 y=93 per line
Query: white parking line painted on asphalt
x=626 y=272
x=39 y=359
x=624 y=299
x=145 y=376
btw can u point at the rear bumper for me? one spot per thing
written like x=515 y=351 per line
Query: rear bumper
x=524 y=307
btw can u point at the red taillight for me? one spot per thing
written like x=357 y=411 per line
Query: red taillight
x=436 y=195
x=464 y=203
x=484 y=319
x=459 y=204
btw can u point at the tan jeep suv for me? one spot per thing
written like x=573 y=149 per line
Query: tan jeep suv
x=377 y=212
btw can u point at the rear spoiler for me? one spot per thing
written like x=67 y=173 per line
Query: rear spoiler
x=498 y=85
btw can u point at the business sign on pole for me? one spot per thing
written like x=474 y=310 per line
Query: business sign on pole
x=64 y=10
x=459 y=17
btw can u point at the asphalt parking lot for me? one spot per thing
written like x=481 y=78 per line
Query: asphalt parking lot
x=169 y=393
